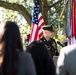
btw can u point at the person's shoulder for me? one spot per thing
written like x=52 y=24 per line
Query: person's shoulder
x=24 y=55
x=52 y=39
x=42 y=39
x=69 y=48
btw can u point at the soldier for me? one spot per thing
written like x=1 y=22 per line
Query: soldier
x=47 y=39
x=27 y=40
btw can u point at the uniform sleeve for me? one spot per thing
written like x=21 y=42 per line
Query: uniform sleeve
x=30 y=66
x=54 y=46
x=61 y=68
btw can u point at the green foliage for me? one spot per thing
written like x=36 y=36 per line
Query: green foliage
x=10 y=15
x=54 y=16
x=54 y=13
x=24 y=29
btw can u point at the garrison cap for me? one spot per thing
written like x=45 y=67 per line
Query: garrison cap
x=48 y=27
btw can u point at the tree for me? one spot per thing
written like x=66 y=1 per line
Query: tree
x=48 y=7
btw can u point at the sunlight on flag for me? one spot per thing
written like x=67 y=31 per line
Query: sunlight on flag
x=37 y=23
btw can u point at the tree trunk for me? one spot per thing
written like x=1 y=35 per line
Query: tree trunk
x=45 y=11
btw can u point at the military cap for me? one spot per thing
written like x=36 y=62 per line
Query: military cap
x=48 y=27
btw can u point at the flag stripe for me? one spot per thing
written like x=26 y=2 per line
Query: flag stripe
x=73 y=18
x=33 y=32
x=41 y=34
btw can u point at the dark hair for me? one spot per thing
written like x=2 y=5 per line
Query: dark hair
x=13 y=43
x=38 y=50
x=27 y=37
x=44 y=64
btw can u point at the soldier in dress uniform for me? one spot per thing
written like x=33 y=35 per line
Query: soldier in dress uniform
x=47 y=39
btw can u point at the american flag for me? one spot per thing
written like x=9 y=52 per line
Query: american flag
x=37 y=23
